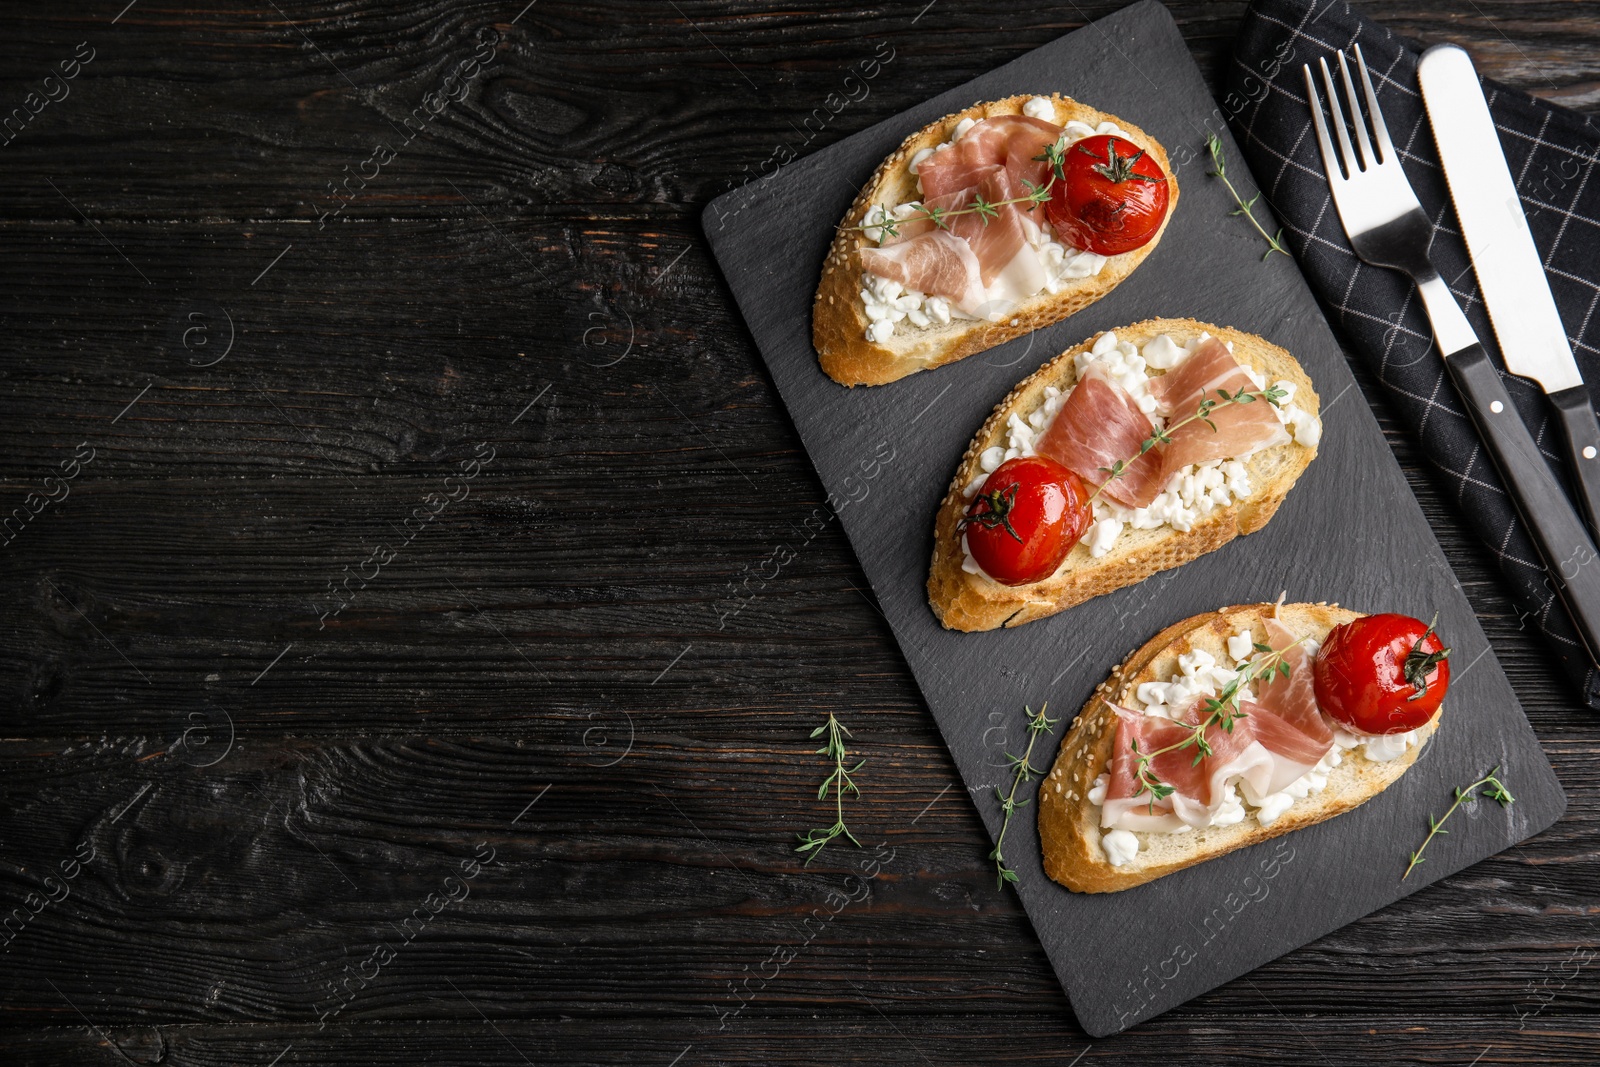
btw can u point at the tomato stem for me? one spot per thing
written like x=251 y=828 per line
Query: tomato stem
x=1419 y=664
x=1118 y=169
x=1000 y=502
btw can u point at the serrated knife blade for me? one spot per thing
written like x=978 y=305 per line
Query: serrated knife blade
x=1510 y=272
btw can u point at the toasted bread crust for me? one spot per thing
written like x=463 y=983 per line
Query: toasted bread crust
x=839 y=319
x=971 y=602
x=1069 y=826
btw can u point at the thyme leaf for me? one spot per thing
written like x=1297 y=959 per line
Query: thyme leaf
x=1056 y=156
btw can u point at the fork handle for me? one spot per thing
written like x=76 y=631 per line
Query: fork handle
x=1569 y=554
x=1583 y=448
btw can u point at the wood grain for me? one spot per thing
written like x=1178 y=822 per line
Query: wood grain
x=576 y=605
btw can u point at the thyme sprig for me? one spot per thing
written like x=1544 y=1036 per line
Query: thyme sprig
x=1222 y=710
x=1493 y=788
x=1054 y=154
x=1246 y=207
x=813 y=841
x=1024 y=772
x=1163 y=434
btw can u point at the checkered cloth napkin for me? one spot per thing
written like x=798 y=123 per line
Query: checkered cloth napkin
x=1552 y=153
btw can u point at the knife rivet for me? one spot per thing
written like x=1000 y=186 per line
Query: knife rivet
x=1497 y=407
x=1588 y=452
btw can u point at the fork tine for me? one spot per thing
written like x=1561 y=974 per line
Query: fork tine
x=1380 y=129
x=1336 y=119
x=1367 y=158
x=1330 y=163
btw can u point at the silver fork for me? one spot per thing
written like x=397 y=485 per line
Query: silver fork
x=1387 y=228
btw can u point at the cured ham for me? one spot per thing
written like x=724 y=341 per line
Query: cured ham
x=1279 y=737
x=937 y=262
x=1240 y=428
x=1285 y=712
x=1142 y=479
x=1294 y=699
x=1294 y=752
x=1198 y=788
x=992 y=160
x=1099 y=424
x=994 y=241
x=1009 y=140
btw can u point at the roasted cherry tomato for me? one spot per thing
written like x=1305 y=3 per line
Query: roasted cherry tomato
x=1111 y=197
x=1382 y=674
x=1025 y=519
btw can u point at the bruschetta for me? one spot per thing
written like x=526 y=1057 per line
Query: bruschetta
x=1136 y=451
x=1128 y=801
x=983 y=226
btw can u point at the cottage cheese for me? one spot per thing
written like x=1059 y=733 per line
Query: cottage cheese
x=908 y=308
x=888 y=303
x=1120 y=846
x=1040 y=107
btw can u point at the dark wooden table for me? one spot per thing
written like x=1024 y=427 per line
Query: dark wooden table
x=390 y=459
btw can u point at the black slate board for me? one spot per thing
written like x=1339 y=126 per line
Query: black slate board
x=1350 y=532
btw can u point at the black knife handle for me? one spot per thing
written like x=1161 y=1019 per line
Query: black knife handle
x=1569 y=554
x=1583 y=440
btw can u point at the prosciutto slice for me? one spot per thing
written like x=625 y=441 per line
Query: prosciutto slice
x=1240 y=429
x=939 y=263
x=992 y=160
x=1009 y=140
x=1098 y=425
x=1198 y=788
x=1281 y=735
x=1285 y=711
x=941 y=177
x=994 y=241
x=1142 y=480
x=1293 y=751
x=1294 y=698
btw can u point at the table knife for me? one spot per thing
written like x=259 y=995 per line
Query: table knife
x=1510 y=271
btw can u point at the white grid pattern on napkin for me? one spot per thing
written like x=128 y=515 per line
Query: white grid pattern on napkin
x=1293 y=178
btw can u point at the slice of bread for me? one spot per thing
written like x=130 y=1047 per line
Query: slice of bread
x=971 y=602
x=1069 y=826
x=839 y=317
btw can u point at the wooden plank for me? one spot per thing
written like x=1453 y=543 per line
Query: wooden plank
x=862 y=1035
x=616 y=102
x=184 y=852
